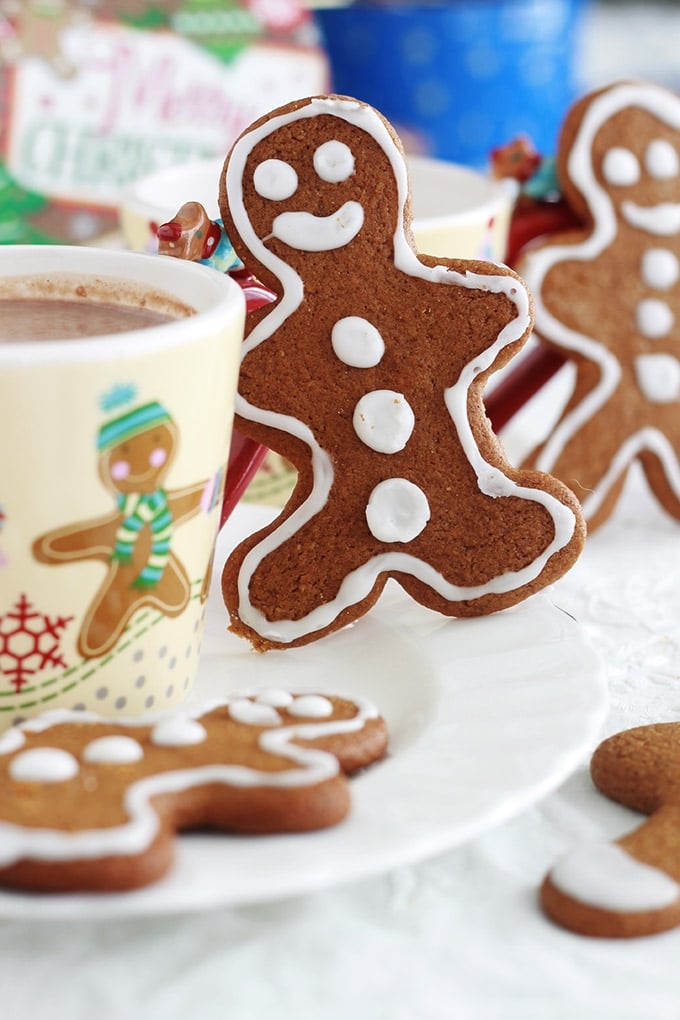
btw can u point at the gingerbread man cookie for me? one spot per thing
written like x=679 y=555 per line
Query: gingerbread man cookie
x=87 y=804
x=134 y=542
x=367 y=373
x=630 y=887
x=607 y=295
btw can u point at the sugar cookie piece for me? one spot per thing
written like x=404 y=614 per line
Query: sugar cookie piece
x=367 y=374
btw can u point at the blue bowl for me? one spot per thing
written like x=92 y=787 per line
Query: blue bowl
x=458 y=78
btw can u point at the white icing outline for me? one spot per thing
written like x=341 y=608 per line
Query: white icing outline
x=538 y=263
x=310 y=766
x=358 y=584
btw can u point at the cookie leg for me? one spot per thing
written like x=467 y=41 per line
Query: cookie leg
x=620 y=890
x=593 y=462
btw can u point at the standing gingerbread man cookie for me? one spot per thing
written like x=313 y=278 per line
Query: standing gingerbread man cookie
x=608 y=295
x=134 y=542
x=367 y=373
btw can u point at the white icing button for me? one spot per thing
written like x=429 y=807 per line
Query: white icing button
x=311 y=706
x=661 y=159
x=273 y=696
x=356 y=342
x=384 y=420
x=44 y=765
x=113 y=750
x=334 y=162
x=12 y=740
x=397 y=511
x=177 y=731
x=658 y=376
x=660 y=268
x=275 y=180
x=604 y=875
x=253 y=713
x=620 y=167
x=654 y=318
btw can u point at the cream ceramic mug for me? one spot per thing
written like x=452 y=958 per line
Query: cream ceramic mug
x=111 y=478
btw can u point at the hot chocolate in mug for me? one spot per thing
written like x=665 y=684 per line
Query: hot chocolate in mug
x=118 y=374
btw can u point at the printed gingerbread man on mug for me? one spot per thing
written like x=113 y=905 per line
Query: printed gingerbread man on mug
x=608 y=295
x=134 y=542
x=367 y=373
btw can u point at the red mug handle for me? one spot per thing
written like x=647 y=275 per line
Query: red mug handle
x=245 y=455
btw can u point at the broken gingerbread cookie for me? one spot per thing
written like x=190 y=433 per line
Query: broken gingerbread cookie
x=630 y=887
x=607 y=293
x=367 y=373
x=93 y=805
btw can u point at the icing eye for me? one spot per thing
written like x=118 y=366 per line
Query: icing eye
x=620 y=167
x=334 y=162
x=275 y=180
x=661 y=159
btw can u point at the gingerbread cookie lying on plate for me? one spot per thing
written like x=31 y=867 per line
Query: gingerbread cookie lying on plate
x=630 y=887
x=367 y=374
x=87 y=804
x=607 y=295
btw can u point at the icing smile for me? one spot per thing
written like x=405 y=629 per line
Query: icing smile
x=307 y=232
x=661 y=219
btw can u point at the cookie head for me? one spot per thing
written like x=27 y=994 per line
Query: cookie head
x=313 y=182
x=187 y=234
x=136 y=449
x=625 y=159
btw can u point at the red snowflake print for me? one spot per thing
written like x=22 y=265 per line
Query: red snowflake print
x=29 y=643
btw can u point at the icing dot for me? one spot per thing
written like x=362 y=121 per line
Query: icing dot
x=251 y=713
x=44 y=765
x=397 y=511
x=654 y=318
x=384 y=421
x=12 y=740
x=620 y=167
x=660 y=268
x=178 y=731
x=334 y=162
x=356 y=342
x=311 y=706
x=275 y=180
x=661 y=159
x=275 y=697
x=113 y=750
x=658 y=376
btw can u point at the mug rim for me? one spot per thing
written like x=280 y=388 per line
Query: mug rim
x=218 y=300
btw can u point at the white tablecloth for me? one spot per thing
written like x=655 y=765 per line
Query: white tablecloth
x=459 y=935
x=456 y=937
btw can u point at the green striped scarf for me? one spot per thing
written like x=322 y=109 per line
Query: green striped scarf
x=138 y=510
